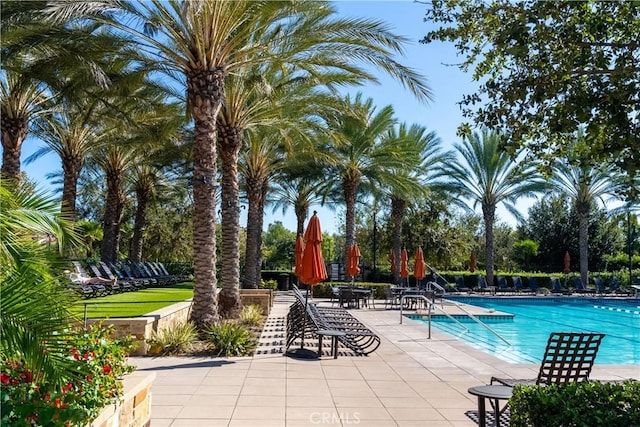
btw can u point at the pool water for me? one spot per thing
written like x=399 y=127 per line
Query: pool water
x=535 y=318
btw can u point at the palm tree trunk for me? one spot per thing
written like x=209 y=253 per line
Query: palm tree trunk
x=142 y=195
x=301 y=216
x=398 y=209
x=114 y=207
x=230 y=140
x=583 y=239
x=349 y=187
x=489 y=212
x=204 y=93
x=71 y=166
x=14 y=131
x=254 y=232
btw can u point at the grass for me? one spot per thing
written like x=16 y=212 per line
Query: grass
x=133 y=304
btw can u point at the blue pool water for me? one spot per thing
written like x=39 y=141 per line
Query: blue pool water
x=535 y=318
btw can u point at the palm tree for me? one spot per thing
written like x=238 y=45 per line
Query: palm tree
x=585 y=184
x=418 y=174
x=486 y=175
x=20 y=101
x=43 y=60
x=360 y=158
x=72 y=138
x=206 y=41
x=146 y=182
x=35 y=309
x=301 y=192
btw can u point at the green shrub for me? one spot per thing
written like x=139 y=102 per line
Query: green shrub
x=251 y=315
x=270 y=284
x=231 y=339
x=576 y=404
x=177 y=338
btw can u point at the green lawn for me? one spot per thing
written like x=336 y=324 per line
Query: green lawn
x=132 y=304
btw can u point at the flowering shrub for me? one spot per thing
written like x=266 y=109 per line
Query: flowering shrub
x=100 y=364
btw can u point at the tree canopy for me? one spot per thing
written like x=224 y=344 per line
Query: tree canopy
x=548 y=69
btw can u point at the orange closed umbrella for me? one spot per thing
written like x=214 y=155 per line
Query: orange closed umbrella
x=313 y=271
x=299 y=253
x=353 y=268
x=472 y=263
x=313 y=268
x=404 y=266
x=567 y=262
x=419 y=266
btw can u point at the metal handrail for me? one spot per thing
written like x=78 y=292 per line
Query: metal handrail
x=481 y=323
x=430 y=305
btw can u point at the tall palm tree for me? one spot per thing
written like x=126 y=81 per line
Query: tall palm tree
x=585 y=184
x=301 y=192
x=419 y=174
x=114 y=161
x=70 y=136
x=205 y=41
x=43 y=60
x=487 y=176
x=20 y=101
x=359 y=158
x=146 y=182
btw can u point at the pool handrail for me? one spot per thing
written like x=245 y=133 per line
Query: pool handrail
x=480 y=322
x=430 y=305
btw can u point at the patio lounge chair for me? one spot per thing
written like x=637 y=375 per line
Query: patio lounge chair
x=581 y=288
x=569 y=356
x=460 y=286
x=503 y=286
x=518 y=286
x=557 y=288
x=533 y=284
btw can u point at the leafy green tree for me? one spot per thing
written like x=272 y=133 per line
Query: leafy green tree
x=548 y=69
x=279 y=247
x=552 y=222
x=487 y=176
x=524 y=251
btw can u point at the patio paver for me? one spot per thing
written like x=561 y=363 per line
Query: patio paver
x=408 y=381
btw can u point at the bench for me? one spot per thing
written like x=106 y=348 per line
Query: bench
x=307 y=321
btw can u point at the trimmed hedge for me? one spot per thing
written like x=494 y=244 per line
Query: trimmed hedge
x=576 y=404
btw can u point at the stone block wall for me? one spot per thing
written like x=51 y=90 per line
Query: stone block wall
x=135 y=408
x=260 y=297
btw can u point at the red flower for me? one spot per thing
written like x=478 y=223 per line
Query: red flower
x=28 y=376
x=89 y=378
x=5 y=378
x=106 y=370
x=69 y=386
x=57 y=403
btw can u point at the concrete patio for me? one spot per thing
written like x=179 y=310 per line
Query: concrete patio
x=409 y=381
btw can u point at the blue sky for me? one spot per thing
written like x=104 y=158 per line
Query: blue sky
x=442 y=115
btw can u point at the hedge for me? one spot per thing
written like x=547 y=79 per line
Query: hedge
x=576 y=404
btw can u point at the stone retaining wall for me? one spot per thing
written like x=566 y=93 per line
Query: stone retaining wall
x=135 y=408
x=142 y=327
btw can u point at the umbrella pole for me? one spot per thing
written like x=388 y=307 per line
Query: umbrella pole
x=304 y=318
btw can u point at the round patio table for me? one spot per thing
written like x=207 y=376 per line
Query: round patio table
x=494 y=393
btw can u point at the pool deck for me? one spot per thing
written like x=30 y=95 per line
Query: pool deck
x=410 y=380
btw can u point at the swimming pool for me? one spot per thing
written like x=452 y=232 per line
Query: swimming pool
x=535 y=318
